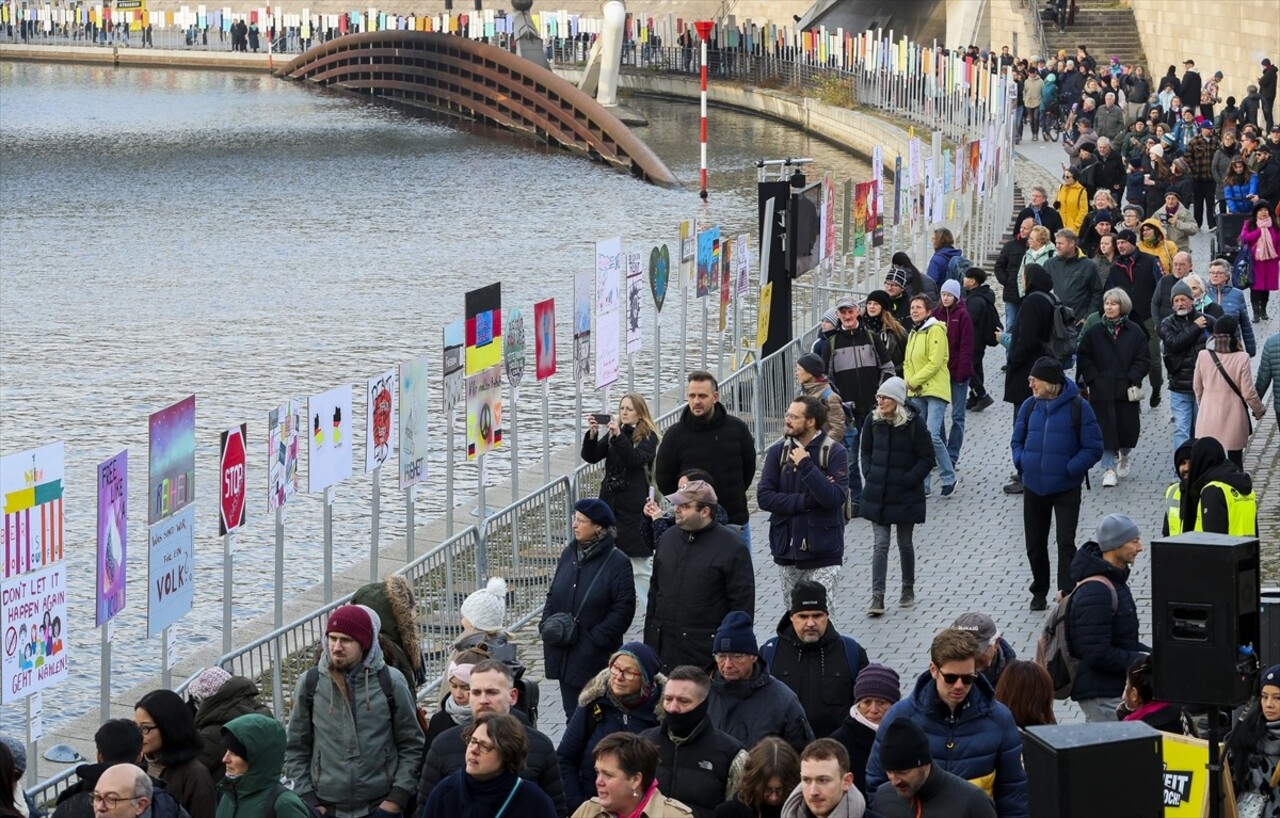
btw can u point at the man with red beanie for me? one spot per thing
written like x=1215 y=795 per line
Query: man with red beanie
x=354 y=725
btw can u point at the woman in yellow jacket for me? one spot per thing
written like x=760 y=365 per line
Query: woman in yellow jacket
x=1152 y=241
x=1072 y=201
x=929 y=383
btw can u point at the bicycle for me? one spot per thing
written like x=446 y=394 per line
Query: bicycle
x=1051 y=124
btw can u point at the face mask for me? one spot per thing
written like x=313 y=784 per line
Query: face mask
x=682 y=724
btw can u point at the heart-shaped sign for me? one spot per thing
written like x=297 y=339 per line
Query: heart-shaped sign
x=659 y=274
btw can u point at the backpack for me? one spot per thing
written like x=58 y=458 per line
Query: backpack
x=279 y=790
x=851 y=647
x=1062 y=339
x=1053 y=647
x=824 y=458
x=847 y=406
x=957 y=266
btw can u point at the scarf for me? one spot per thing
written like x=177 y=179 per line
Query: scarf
x=460 y=713
x=484 y=798
x=636 y=813
x=1265 y=250
x=1113 y=326
x=630 y=704
x=856 y=715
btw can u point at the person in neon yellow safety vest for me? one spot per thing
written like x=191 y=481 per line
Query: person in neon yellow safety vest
x=1173 y=494
x=1219 y=496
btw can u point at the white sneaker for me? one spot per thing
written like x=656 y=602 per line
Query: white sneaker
x=1109 y=479
x=1123 y=465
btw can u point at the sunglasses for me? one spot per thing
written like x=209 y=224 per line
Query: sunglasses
x=966 y=678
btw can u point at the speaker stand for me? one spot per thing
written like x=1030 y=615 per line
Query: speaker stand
x=1215 y=767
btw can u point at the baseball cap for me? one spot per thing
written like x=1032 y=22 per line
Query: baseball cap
x=695 y=491
x=847 y=302
x=980 y=625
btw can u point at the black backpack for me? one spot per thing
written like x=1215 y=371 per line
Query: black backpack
x=1062 y=338
x=279 y=790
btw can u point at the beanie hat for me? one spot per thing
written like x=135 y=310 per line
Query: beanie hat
x=882 y=298
x=880 y=681
x=234 y=744
x=807 y=595
x=1127 y=235
x=1157 y=150
x=597 y=511
x=1103 y=216
x=812 y=363
x=1048 y=370
x=643 y=656
x=1271 y=677
x=486 y=608
x=735 y=635
x=208 y=682
x=461 y=672
x=18 y=751
x=831 y=317
x=951 y=287
x=1114 y=530
x=896 y=275
x=354 y=621
x=1181 y=288
x=894 y=388
x=904 y=746
x=1226 y=325
x=1168 y=139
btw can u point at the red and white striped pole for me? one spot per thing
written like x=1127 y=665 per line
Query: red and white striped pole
x=704 y=34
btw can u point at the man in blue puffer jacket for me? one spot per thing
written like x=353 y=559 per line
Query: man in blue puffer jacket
x=971 y=735
x=1056 y=440
x=1102 y=621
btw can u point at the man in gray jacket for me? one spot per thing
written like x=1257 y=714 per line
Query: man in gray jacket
x=1109 y=120
x=1075 y=276
x=354 y=742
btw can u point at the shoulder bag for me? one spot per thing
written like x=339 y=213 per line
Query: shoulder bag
x=560 y=630
x=1248 y=413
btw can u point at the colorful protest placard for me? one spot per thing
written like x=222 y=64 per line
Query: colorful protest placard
x=484 y=412
x=329 y=439
x=483 y=317
x=113 y=534
x=412 y=411
x=544 y=316
x=608 y=307
x=35 y=613
x=283 y=424
x=380 y=418
x=31 y=488
x=171 y=562
x=171 y=466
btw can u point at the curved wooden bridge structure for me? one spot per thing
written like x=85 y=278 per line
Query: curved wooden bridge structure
x=481 y=83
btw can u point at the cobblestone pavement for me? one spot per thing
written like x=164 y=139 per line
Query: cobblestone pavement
x=970 y=554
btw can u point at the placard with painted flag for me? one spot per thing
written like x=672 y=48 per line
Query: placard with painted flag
x=31 y=488
x=483 y=316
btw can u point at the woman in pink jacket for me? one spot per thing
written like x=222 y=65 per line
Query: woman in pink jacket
x=1224 y=390
x=1261 y=235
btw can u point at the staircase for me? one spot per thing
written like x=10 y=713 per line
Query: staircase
x=1106 y=28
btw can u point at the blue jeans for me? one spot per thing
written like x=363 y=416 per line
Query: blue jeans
x=851 y=432
x=746 y=535
x=954 y=437
x=934 y=413
x=1183 y=406
x=1109 y=456
x=1010 y=315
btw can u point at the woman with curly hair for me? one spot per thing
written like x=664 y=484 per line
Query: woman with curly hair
x=772 y=771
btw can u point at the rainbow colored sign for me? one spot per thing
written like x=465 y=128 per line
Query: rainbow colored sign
x=31 y=488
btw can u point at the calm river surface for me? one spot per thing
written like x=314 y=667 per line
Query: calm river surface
x=164 y=232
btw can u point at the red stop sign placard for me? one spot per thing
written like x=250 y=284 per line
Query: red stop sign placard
x=231 y=482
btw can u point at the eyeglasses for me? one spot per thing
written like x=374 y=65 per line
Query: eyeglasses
x=147 y=728
x=732 y=657
x=967 y=679
x=110 y=800
x=624 y=674
x=482 y=746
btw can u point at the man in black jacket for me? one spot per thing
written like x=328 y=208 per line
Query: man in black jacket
x=708 y=437
x=493 y=691
x=1109 y=173
x=699 y=575
x=1040 y=212
x=1007 y=265
x=981 y=301
x=819 y=664
x=118 y=741
x=1136 y=273
x=1183 y=334
x=698 y=765
x=916 y=787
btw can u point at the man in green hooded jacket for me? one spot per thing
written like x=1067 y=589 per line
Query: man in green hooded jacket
x=254 y=757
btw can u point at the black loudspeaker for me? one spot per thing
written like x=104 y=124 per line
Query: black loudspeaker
x=1207 y=622
x=1101 y=770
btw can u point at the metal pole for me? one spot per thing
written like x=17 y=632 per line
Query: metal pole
x=657 y=364
x=704 y=331
x=228 y=549
x=515 y=481
x=374 y=524
x=448 y=475
x=33 y=777
x=104 y=690
x=164 y=660
x=482 y=556
x=546 y=436
x=410 y=495
x=703 y=30
x=684 y=326
x=279 y=620
x=328 y=545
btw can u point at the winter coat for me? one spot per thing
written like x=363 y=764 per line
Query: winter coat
x=1040 y=255
x=1266 y=274
x=1153 y=194
x=190 y=785
x=822 y=389
x=698 y=578
x=1222 y=158
x=1182 y=340
x=1135 y=191
x=1222 y=414
x=925 y=366
x=1109 y=174
x=447 y=755
x=894 y=344
x=597 y=716
x=702 y=769
x=237 y=697
x=1231 y=301
x=1269 y=371
x=1007 y=266
x=1105 y=643
x=981 y=302
x=1032 y=91
x=392 y=599
x=604 y=615
x=461 y=795
x=959 y=339
x=625 y=485
x=857 y=365
x=248 y=796
x=345 y=752
x=1267 y=82
x=1047 y=217
x=857 y=739
x=1137 y=275
x=1050 y=453
x=1107 y=365
x=753 y=708
x=1179 y=226
x=938 y=263
x=1160 y=248
x=1004 y=655
x=1109 y=121
x=722 y=445
x=1028 y=335
x=979 y=739
x=1204 y=507
x=1076 y=283
x=817 y=672
x=658 y=806
x=1189 y=89
x=439 y=722
x=850 y=805
x=76 y=801
x=805 y=503
x=1072 y=202
x=942 y=795
x=1237 y=196
x=895 y=461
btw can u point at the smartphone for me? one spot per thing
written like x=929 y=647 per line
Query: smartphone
x=602 y=419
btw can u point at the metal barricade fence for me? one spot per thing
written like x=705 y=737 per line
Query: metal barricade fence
x=523 y=543
x=440 y=581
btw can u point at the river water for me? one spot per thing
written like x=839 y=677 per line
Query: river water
x=164 y=232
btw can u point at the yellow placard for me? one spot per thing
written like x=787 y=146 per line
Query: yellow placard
x=762 y=314
x=1186 y=778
